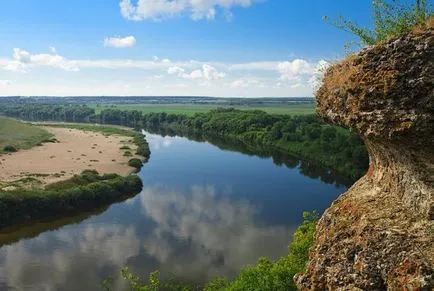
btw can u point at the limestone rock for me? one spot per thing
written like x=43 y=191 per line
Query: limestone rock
x=379 y=235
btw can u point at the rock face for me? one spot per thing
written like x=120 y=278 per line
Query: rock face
x=380 y=234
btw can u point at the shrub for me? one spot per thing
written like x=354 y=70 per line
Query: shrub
x=391 y=19
x=9 y=149
x=135 y=163
x=125 y=148
x=128 y=154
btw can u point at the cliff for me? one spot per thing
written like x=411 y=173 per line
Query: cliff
x=380 y=234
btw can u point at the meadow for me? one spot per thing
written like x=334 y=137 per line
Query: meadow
x=191 y=109
x=21 y=135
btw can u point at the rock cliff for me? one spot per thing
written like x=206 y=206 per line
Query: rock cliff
x=379 y=235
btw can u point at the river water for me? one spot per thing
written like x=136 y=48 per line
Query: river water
x=204 y=211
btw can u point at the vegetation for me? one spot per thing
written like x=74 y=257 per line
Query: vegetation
x=16 y=135
x=135 y=163
x=9 y=149
x=265 y=275
x=303 y=135
x=192 y=109
x=391 y=18
x=85 y=191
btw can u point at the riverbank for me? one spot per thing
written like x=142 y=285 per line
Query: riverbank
x=83 y=167
x=74 y=151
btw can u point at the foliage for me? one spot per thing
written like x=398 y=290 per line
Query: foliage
x=265 y=275
x=391 y=19
x=9 y=149
x=192 y=109
x=135 y=163
x=84 y=191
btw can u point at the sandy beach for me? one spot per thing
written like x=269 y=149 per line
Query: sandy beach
x=75 y=151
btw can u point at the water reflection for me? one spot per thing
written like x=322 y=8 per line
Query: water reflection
x=198 y=235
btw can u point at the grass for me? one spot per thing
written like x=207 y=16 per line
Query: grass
x=21 y=135
x=191 y=109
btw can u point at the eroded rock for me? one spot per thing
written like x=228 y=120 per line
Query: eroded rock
x=380 y=234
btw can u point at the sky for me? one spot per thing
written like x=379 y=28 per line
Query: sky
x=226 y=48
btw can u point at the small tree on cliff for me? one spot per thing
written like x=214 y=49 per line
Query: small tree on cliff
x=391 y=18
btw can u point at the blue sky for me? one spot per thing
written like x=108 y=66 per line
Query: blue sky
x=170 y=47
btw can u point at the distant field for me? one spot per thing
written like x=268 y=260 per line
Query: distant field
x=191 y=109
x=20 y=135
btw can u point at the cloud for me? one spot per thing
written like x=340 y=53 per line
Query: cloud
x=247 y=83
x=161 y=9
x=53 y=49
x=291 y=70
x=23 y=61
x=175 y=71
x=120 y=42
x=4 y=83
x=21 y=56
x=207 y=72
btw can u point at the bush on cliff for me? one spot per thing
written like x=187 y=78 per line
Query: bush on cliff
x=391 y=18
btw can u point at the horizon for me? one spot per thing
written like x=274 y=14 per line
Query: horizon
x=243 y=48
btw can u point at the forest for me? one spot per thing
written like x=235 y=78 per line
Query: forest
x=306 y=136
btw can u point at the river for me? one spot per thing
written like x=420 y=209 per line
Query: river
x=204 y=211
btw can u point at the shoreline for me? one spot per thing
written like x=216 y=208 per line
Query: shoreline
x=67 y=184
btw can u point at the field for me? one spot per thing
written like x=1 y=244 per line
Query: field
x=21 y=135
x=191 y=109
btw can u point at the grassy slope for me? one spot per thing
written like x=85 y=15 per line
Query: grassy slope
x=191 y=109
x=20 y=135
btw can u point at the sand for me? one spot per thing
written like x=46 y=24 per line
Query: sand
x=75 y=151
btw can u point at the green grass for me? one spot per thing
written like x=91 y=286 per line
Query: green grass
x=191 y=109
x=21 y=135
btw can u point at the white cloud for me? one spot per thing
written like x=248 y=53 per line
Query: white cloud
x=160 y=9
x=4 y=83
x=22 y=56
x=22 y=61
x=247 y=83
x=196 y=74
x=53 y=50
x=291 y=70
x=120 y=42
x=210 y=73
x=175 y=71
x=206 y=72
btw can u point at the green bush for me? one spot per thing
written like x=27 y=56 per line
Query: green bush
x=135 y=163
x=391 y=19
x=9 y=149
